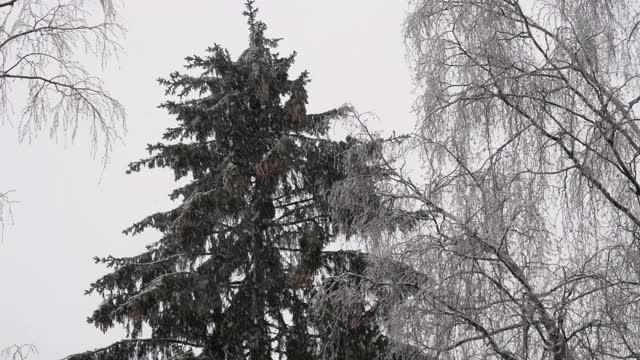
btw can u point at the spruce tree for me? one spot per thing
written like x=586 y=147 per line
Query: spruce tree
x=235 y=268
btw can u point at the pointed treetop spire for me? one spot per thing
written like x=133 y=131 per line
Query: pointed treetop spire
x=256 y=28
x=251 y=12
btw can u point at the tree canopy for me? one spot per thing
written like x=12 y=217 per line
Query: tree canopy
x=240 y=258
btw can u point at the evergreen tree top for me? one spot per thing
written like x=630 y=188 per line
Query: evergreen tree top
x=233 y=272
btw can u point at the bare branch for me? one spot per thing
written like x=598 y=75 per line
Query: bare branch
x=41 y=43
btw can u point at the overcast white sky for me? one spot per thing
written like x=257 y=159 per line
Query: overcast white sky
x=67 y=213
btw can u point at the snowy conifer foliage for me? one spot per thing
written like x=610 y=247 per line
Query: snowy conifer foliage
x=233 y=274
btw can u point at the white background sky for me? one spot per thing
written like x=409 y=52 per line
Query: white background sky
x=70 y=210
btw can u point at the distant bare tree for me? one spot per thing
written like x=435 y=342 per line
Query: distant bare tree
x=5 y=210
x=18 y=352
x=519 y=233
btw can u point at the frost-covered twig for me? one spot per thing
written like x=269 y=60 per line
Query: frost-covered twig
x=6 y=213
x=18 y=352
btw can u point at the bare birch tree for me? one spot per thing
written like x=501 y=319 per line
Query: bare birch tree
x=520 y=229
x=41 y=76
x=44 y=84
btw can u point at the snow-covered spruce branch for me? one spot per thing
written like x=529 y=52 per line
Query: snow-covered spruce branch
x=115 y=348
